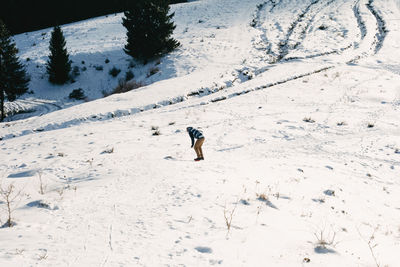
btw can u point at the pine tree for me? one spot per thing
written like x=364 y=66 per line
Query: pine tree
x=58 y=66
x=13 y=78
x=149 y=27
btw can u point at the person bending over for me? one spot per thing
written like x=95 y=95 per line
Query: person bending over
x=198 y=135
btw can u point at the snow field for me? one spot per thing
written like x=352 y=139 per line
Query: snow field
x=307 y=146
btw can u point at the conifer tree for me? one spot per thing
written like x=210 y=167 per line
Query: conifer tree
x=149 y=29
x=13 y=78
x=58 y=66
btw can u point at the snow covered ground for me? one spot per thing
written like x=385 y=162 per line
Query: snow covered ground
x=298 y=100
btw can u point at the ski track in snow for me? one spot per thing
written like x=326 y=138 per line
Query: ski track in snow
x=381 y=34
x=307 y=15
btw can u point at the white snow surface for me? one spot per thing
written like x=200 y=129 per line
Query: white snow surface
x=299 y=103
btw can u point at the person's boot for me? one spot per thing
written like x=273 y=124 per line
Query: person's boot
x=197 y=159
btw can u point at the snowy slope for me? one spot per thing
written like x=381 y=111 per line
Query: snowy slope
x=299 y=104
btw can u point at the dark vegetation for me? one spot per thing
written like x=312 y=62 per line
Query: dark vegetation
x=58 y=66
x=23 y=15
x=77 y=94
x=14 y=80
x=149 y=28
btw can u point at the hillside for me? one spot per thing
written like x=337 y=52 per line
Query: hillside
x=299 y=104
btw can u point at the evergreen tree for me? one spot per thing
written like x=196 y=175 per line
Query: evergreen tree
x=13 y=78
x=149 y=27
x=58 y=65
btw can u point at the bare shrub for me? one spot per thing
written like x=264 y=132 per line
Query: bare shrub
x=262 y=197
x=124 y=86
x=19 y=251
x=228 y=215
x=324 y=240
x=9 y=195
x=90 y=161
x=371 y=244
x=60 y=191
x=155 y=130
x=309 y=120
x=42 y=187
x=43 y=255
x=108 y=151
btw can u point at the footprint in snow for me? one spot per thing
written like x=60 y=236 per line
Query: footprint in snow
x=203 y=249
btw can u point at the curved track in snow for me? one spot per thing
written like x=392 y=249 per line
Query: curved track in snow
x=299 y=30
x=381 y=27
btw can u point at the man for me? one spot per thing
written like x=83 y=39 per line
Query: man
x=196 y=134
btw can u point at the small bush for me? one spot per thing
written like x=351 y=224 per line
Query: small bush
x=157 y=132
x=9 y=196
x=124 y=87
x=108 y=151
x=371 y=125
x=308 y=120
x=98 y=67
x=114 y=71
x=262 y=197
x=77 y=94
x=129 y=75
x=107 y=61
x=323 y=27
x=75 y=72
x=323 y=240
x=153 y=71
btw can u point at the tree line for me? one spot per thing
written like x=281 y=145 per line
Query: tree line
x=149 y=28
x=23 y=16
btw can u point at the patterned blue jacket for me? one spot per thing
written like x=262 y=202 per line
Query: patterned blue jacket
x=194 y=133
